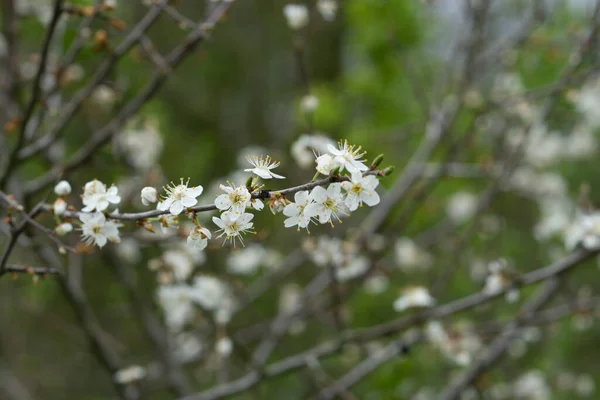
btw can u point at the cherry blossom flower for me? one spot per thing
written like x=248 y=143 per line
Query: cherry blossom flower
x=327 y=9
x=409 y=256
x=585 y=232
x=176 y=304
x=233 y=226
x=296 y=15
x=462 y=206
x=179 y=197
x=263 y=166
x=296 y=211
x=62 y=188
x=173 y=265
x=198 y=238
x=327 y=203
x=235 y=200
x=97 y=197
x=417 y=296
x=348 y=157
x=97 y=230
x=361 y=189
x=246 y=261
x=214 y=295
x=304 y=148
x=149 y=195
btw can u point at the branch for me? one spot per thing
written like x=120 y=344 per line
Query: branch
x=56 y=13
x=499 y=346
x=263 y=194
x=104 y=134
x=27 y=269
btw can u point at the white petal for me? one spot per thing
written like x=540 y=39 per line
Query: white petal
x=176 y=208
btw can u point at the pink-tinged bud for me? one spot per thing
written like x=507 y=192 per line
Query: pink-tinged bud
x=59 y=207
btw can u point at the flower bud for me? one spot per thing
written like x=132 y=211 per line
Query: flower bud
x=63 y=229
x=388 y=171
x=277 y=203
x=325 y=164
x=59 y=207
x=376 y=162
x=149 y=195
x=62 y=188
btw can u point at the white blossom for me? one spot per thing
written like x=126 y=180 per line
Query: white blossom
x=325 y=164
x=62 y=188
x=585 y=232
x=187 y=347
x=462 y=206
x=361 y=189
x=532 y=386
x=247 y=260
x=214 y=295
x=97 y=197
x=296 y=15
x=179 y=263
x=376 y=284
x=176 y=304
x=235 y=200
x=133 y=373
x=327 y=203
x=417 y=296
x=304 y=148
x=353 y=268
x=63 y=229
x=348 y=157
x=309 y=103
x=263 y=166
x=97 y=230
x=409 y=256
x=296 y=211
x=149 y=195
x=198 y=238
x=142 y=145
x=327 y=9
x=233 y=226
x=179 y=197
x=461 y=347
x=328 y=250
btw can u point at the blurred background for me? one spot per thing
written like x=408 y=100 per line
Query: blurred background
x=511 y=87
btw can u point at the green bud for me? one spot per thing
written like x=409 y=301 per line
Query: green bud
x=249 y=181
x=376 y=162
x=388 y=170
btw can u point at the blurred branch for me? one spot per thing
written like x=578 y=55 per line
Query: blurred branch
x=153 y=328
x=100 y=137
x=36 y=92
x=499 y=346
